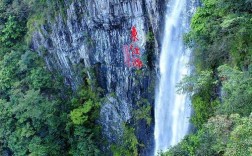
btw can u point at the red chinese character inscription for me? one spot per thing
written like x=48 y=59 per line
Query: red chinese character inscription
x=136 y=51
x=131 y=53
x=134 y=34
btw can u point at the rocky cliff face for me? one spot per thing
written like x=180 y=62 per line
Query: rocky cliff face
x=93 y=33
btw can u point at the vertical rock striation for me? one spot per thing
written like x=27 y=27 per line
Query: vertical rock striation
x=92 y=33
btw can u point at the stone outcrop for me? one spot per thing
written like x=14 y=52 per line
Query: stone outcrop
x=93 y=33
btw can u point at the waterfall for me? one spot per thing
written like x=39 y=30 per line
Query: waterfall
x=172 y=110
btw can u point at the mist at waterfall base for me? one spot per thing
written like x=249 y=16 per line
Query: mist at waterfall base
x=172 y=110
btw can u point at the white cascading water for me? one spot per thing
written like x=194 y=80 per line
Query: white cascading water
x=172 y=110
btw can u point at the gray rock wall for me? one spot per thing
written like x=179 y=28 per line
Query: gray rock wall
x=92 y=33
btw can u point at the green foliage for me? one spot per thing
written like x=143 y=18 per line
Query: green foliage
x=143 y=112
x=82 y=142
x=195 y=144
x=237 y=90
x=148 y=57
x=203 y=109
x=84 y=132
x=80 y=115
x=222 y=53
x=221 y=29
x=38 y=119
x=13 y=17
x=34 y=23
x=150 y=36
x=31 y=113
x=86 y=107
x=199 y=82
x=39 y=114
x=199 y=86
x=129 y=144
x=222 y=135
x=240 y=138
x=11 y=32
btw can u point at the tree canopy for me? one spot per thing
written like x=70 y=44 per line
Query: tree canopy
x=221 y=86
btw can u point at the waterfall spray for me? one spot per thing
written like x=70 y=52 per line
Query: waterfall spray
x=172 y=110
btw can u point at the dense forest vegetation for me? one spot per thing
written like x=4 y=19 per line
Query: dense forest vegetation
x=39 y=114
x=221 y=84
